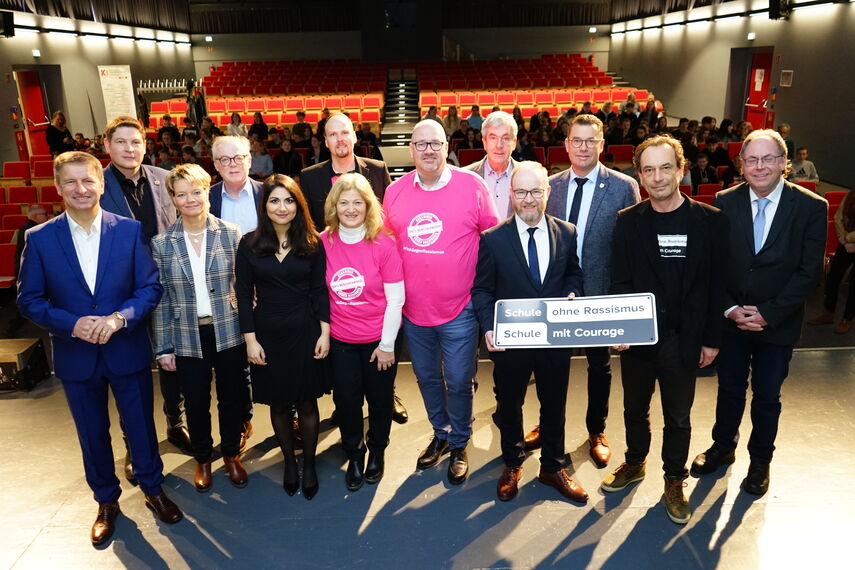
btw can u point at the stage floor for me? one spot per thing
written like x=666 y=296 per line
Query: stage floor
x=415 y=520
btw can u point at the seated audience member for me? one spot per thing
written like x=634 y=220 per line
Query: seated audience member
x=150 y=154
x=460 y=133
x=300 y=140
x=431 y=114
x=630 y=99
x=708 y=122
x=167 y=141
x=803 y=169
x=175 y=151
x=191 y=139
x=534 y=123
x=164 y=159
x=98 y=144
x=301 y=126
x=784 y=131
x=702 y=135
x=495 y=108
x=471 y=141
x=586 y=109
x=517 y=114
x=204 y=148
x=629 y=113
x=365 y=136
x=725 y=132
x=318 y=152
x=288 y=161
x=236 y=127
x=190 y=128
x=286 y=133
x=638 y=135
x=716 y=152
x=743 y=129
x=80 y=142
x=273 y=138
x=524 y=150
x=605 y=112
x=168 y=127
x=693 y=127
x=562 y=128
x=650 y=112
x=188 y=155
x=475 y=119
x=208 y=125
x=262 y=165
x=619 y=134
x=733 y=174
x=452 y=120
x=322 y=124
x=690 y=147
x=544 y=139
x=545 y=121
x=702 y=172
x=661 y=126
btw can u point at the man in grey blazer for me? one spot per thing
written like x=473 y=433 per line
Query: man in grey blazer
x=590 y=195
x=138 y=191
x=499 y=134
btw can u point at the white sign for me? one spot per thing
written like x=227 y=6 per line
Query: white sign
x=118 y=90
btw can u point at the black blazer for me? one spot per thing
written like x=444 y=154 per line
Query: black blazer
x=315 y=181
x=780 y=276
x=502 y=271
x=635 y=269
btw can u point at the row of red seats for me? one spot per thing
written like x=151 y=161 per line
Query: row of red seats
x=527 y=98
x=283 y=119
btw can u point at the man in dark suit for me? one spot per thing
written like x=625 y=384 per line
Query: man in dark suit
x=138 y=191
x=235 y=199
x=589 y=195
x=88 y=278
x=674 y=248
x=529 y=255
x=499 y=134
x=777 y=235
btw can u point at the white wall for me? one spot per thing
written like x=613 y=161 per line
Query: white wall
x=687 y=67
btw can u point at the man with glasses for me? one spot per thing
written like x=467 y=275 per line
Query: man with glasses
x=777 y=236
x=437 y=213
x=235 y=199
x=589 y=195
x=499 y=135
x=529 y=255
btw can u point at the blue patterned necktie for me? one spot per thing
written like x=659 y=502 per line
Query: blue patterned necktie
x=760 y=223
x=533 y=265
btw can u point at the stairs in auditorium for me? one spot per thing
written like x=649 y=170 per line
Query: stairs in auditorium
x=401 y=113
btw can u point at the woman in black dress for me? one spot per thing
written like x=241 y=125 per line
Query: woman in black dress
x=281 y=266
x=58 y=136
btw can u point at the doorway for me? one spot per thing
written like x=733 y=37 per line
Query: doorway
x=748 y=85
x=39 y=95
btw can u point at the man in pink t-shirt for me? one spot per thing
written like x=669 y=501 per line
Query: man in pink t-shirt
x=437 y=214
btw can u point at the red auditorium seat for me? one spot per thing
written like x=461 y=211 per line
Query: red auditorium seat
x=9 y=210
x=686 y=189
x=334 y=103
x=542 y=98
x=467 y=156
x=178 y=107
x=16 y=169
x=7 y=264
x=22 y=195
x=706 y=199
x=236 y=106
x=447 y=99
x=159 y=107
x=506 y=98
x=525 y=98
x=557 y=155
x=709 y=189
x=14 y=221
x=733 y=149
x=34 y=158
x=49 y=194
x=371 y=102
x=622 y=152
x=216 y=106
x=255 y=105
x=6 y=237
x=425 y=100
x=294 y=104
x=270 y=119
x=807 y=185
x=540 y=154
x=314 y=103
x=835 y=198
x=370 y=116
x=274 y=104
x=353 y=102
x=43 y=169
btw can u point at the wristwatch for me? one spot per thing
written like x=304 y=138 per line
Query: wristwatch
x=121 y=317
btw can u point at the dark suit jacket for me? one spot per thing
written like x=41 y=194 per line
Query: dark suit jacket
x=780 y=276
x=113 y=200
x=217 y=196
x=614 y=192
x=52 y=292
x=315 y=182
x=503 y=273
x=635 y=269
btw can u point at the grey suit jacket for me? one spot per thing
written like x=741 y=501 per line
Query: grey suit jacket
x=478 y=168
x=176 y=324
x=614 y=192
x=113 y=200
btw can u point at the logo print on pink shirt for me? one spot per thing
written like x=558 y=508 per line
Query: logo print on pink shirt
x=424 y=229
x=347 y=283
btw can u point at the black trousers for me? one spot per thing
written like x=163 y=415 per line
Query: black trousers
x=511 y=372
x=839 y=264
x=356 y=380
x=232 y=395
x=677 y=391
x=599 y=387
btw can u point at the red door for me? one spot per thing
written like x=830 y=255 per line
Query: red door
x=758 y=89
x=33 y=108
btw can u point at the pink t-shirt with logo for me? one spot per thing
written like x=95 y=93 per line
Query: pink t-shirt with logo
x=437 y=233
x=356 y=273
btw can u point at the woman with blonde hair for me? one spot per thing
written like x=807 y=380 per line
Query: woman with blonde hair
x=365 y=279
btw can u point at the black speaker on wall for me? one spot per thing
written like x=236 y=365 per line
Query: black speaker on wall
x=7 y=24
x=780 y=9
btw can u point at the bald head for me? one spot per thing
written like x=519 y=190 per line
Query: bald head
x=339 y=136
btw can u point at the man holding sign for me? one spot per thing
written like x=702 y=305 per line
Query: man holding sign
x=675 y=248
x=529 y=255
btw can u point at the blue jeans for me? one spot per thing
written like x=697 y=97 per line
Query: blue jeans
x=444 y=364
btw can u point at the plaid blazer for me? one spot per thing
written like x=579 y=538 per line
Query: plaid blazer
x=176 y=325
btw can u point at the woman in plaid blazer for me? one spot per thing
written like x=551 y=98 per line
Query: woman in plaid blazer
x=196 y=323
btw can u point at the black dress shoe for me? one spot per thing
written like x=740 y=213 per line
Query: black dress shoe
x=430 y=456
x=375 y=467
x=309 y=492
x=291 y=479
x=105 y=523
x=711 y=459
x=355 y=476
x=757 y=480
x=164 y=508
x=458 y=466
x=129 y=470
x=180 y=438
x=399 y=412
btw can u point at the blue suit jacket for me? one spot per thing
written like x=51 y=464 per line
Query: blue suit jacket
x=614 y=192
x=113 y=200
x=52 y=292
x=216 y=197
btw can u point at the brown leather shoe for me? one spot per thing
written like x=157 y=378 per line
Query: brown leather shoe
x=825 y=317
x=202 y=479
x=600 y=451
x=164 y=508
x=843 y=326
x=236 y=472
x=105 y=523
x=508 y=485
x=561 y=481
x=532 y=438
x=245 y=434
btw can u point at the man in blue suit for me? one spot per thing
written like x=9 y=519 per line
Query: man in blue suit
x=138 y=191
x=88 y=278
x=589 y=195
x=235 y=199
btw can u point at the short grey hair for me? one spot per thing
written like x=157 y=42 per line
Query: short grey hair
x=241 y=142
x=498 y=119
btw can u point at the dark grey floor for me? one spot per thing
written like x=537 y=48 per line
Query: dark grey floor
x=417 y=520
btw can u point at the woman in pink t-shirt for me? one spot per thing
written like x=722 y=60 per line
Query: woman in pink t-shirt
x=365 y=279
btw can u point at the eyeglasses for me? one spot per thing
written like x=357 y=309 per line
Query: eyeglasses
x=590 y=143
x=229 y=160
x=537 y=193
x=754 y=162
x=421 y=146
